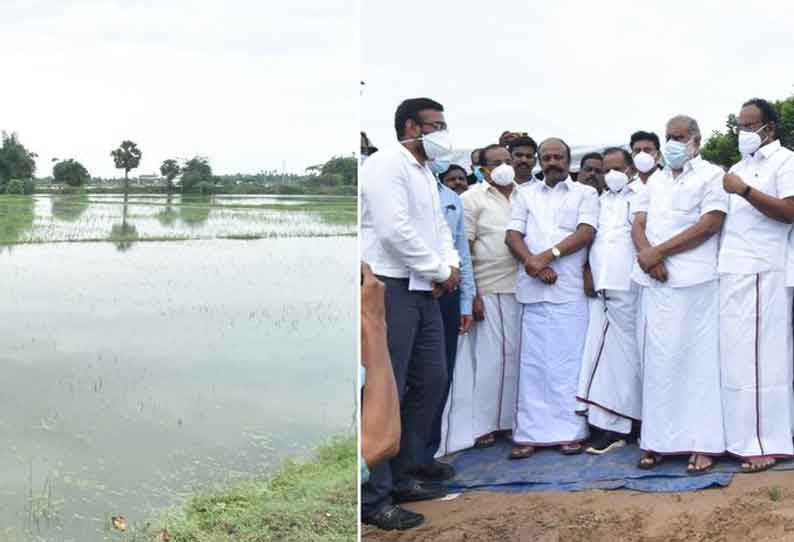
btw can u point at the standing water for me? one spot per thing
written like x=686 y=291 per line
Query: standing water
x=155 y=347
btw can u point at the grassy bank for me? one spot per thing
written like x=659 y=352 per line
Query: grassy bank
x=310 y=501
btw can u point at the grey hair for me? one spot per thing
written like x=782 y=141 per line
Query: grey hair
x=692 y=125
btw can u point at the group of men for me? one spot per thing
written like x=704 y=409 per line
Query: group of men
x=653 y=294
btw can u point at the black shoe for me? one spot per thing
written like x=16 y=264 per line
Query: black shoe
x=605 y=442
x=435 y=472
x=418 y=491
x=394 y=518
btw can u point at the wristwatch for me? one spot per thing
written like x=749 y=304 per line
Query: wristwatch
x=556 y=252
x=746 y=191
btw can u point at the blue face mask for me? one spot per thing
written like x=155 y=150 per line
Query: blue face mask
x=478 y=174
x=676 y=154
x=439 y=165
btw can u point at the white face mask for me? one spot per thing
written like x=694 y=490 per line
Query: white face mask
x=503 y=175
x=749 y=142
x=644 y=162
x=436 y=144
x=616 y=180
x=677 y=153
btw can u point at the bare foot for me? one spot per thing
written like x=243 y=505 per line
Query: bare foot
x=699 y=464
x=757 y=464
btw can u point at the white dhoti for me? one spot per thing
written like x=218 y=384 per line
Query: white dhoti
x=755 y=353
x=610 y=380
x=552 y=341
x=482 y=395
x=681 y=398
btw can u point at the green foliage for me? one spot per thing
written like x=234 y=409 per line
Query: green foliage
x=127 y=157
x=304 y=502
x=15 y=186
x=196 y=170
x=70 y=172
x=170 y=169
x=342 y=168
x=69 y=207
x=721 y=147
x=16 y=162
x=16 y=218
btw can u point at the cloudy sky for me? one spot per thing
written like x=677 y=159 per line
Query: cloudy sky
x=249 y=84
x=590 y=72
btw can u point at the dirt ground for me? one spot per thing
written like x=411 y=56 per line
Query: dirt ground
x=755 y=507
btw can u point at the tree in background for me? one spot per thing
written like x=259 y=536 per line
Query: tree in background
x=721 y=147
x=170 y=170
x=16 y=162
x=196 y=170
x=127 y=157
x=344 y=166
x=70 y=172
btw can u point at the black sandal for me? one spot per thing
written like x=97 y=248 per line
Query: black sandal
x=521 y=452
x=649 y=461
x=692 y=470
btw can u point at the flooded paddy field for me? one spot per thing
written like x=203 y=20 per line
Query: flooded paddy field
x=157 y=347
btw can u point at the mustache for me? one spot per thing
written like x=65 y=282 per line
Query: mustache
x=554 y=168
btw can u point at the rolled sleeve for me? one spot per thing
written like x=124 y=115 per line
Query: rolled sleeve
x=715 y=198
x=588 y=211
x=470 y=212
x=518 y=214
x=641 y=202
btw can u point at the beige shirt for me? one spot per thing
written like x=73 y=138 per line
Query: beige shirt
x=487 y=214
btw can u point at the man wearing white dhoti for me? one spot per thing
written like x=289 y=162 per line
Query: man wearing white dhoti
x=553 y=222
x=675 y=231
x=755 y=305
x=484 y=395
x=610 y=380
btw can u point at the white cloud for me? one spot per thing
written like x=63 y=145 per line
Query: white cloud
x=249 y=84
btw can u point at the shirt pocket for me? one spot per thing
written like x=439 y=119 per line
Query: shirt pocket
x=686 y=199
x=568 y=218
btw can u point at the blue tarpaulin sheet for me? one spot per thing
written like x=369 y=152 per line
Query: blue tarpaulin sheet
x=548 y=470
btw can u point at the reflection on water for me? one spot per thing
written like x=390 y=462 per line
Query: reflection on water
x=129 y=379
x=95 y=217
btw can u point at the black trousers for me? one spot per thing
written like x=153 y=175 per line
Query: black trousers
x=415 y=337
x=450 y=316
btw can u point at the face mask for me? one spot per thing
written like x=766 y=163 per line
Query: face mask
x=749 y=142
x=439 y=165
x=437 y=144
x=616 y=180
x=503 y=175
x=364 y=158
x=644 y=162
x=676 y=154
x=478 y=174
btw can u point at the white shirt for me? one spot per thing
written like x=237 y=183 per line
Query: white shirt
x=673 y=205
x=752 y=242
x=612 y=255
x=546 y=216
x=487 y=213
x=403 y=231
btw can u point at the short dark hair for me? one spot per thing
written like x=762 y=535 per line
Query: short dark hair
x=484 y=151
x=645 y=136
x=564 y=144
x=626 y=154
x=590 y=156
x=450 y=169
x=409 y=109
x=768 y=112
x=523 y=141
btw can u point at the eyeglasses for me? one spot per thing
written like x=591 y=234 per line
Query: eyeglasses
x=437 y=124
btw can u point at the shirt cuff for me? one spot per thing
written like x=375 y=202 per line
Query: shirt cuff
x=721 y=208
x=443 y=273
x=466 y=306
x=517 y=225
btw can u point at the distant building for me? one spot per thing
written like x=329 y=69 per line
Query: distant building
x=149 y=179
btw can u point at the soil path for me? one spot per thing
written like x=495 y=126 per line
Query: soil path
x=757 y=507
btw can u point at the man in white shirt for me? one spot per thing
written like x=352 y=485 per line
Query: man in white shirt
x=486 y=370
x=610 y=381
x=553 y=222
x=755 y=305
x=408 y=244
x=676 y=226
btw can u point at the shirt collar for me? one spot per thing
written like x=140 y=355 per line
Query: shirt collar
x=411 y=157
x=567 y=184
x=768 y=150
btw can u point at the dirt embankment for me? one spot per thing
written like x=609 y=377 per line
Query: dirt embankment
x=754 y=508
